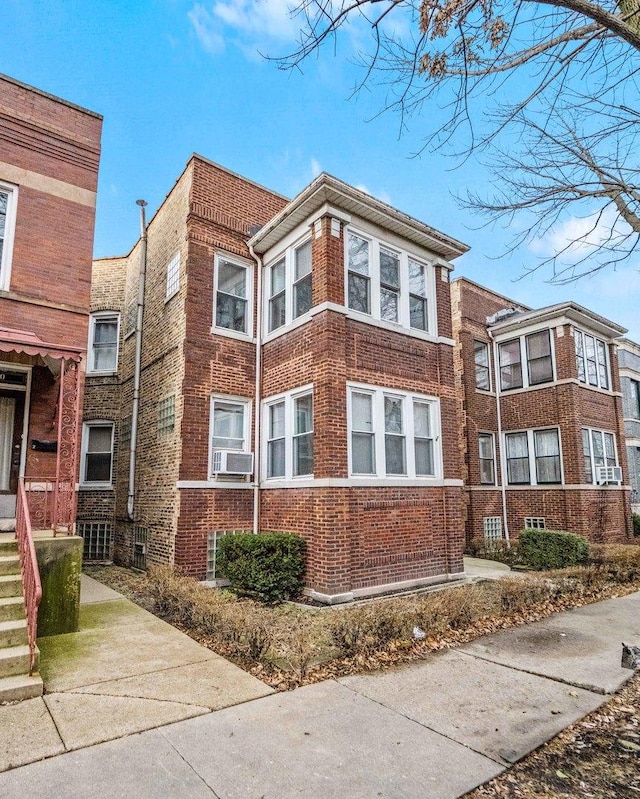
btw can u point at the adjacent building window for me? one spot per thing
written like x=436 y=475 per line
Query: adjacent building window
x=166 y=415
x=534 y=523
x=103 y=342
x=232 y=290
x=387 y=283
x=481 y=358
x=392 y=434
x=230 y=424
x=533 y=457
x=289 y=284
x=534 y=350
x=97 y=454
x=631 y=398
x=487 y=459
x=591 y=360
x=8 y=201
x=289 y=435
x=492 y=528
x=598 y=449
x=173 y=276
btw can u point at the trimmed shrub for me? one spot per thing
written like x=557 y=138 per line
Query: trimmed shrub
x=636 y=524
x=268 y=567
x=552 y=549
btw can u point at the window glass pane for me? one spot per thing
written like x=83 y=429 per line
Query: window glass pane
x=104 y=359
x=547 y=451
x=602 y=364
x=417 y=282
x=609 y=449
x=361 y=412
x=418 y=313
x=393 y=415
x=303 y=260
x=538 y=344
x=275 y=458
x=232 y=279
x=586 y=452
x=304 y=414
x=302 y=297
x=99 y=439
x=598 y=447
x=592 y=368
x=539 y=357
x=228 y=425
x=510 y=366
x=388 y=305
x=277 y=277
x=517 y=458
x=105 y=331
x=424 y=457
x=359 y=293
x=421 y=420
x=231 y=312
x=389 y=269
x=358 y=254
x=486 y=446
x=362 y=456
x=276 y=420
x=580 y=356
x=394 y=454
x=481 y=357
x=303 y=454
x=277 y=312
x=98 y=468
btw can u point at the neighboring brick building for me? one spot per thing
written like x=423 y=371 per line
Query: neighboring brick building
x=350 y=318
x=49 y=155
x=542 y=436
x=629 y=365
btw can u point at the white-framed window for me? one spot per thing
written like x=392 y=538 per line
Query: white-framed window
x=526 y=361
x=104 y=330
x=97 y=454
x=173 y=276
x=387 y=283
x=229 y=425
x=534 y=523
x=630 y=398
x=481 y=360
x=8 y=204
x=233 y=289
x=598 y=449
x=533 y=457
x=487 y=453
x=289 y=286
x=288 y=435
x=392 y=433
x=592 y=360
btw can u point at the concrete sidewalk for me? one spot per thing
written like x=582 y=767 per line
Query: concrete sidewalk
x=434 y=729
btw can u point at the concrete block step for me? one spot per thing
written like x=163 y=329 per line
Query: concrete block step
x=8 y=545
x=11 y=607
x=13 y=633
x=14 y=660
x=19 y=687
x=10 y=585
x=9 y=564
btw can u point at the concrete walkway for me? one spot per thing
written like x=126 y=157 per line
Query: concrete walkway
x=431 y=730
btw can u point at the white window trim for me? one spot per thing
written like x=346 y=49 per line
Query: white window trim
x=247 y=440
x=585 y=382
x=95 y=484
x=403 y=324
x=524 y=364
x=593 y=465
x=173 y=276
x=248 y=266
x=288 y=255
x=533 y=477
x=93 y=318
x=378 y=394
x=288 y=397
x=495 y=459
x=9 y=235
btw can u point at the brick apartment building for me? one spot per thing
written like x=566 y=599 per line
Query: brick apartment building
x=542 y=434
x=629 y=365
x=295 y=373
x=49 y=155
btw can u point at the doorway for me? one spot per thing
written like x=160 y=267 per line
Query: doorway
x=11 y=429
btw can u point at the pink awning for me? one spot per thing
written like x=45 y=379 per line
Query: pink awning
x=28 y=343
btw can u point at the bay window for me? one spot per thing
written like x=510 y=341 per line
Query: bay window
x=533 y=349
x=598 y=449
x=289 y=286
x=533 y=457
x=591 y=360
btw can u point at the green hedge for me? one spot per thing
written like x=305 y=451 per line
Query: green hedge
x=268 y=566
x=636 y=524
x=552 y=549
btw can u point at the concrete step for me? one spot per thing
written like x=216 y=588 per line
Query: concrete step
x=13 y=633
x=9 y=564
x=14 y=660
x=8 y=545
x=10 y=585
x=11 y=607
x=19 y=687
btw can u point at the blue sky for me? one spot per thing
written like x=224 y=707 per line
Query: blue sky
x=172 y=77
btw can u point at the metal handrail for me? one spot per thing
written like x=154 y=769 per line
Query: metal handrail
x=31 y=586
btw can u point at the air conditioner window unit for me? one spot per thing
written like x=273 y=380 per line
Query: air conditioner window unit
x=232 y=462
x=609 y=474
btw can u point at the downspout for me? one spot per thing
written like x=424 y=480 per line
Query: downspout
x=503 y=490
x=138 y=361
x=258 y=388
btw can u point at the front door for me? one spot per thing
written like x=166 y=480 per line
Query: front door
x=11 y=420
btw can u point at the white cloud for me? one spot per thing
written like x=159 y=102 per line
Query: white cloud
x=205 y=29
x=577 y=237
x=379 y=195
x=316 y=169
